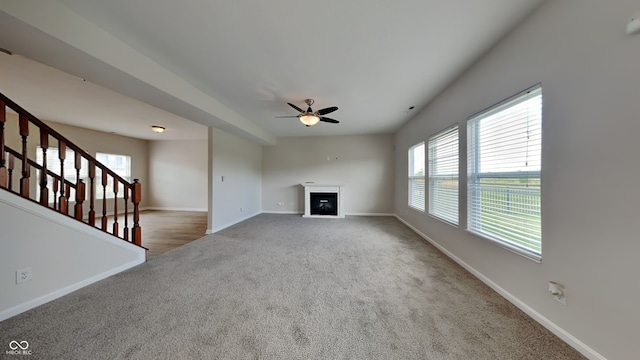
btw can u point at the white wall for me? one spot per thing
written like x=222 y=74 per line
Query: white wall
x=364 y=163
x=64 y=255
x=590 y=72
x=178 y=169
x=238 y=163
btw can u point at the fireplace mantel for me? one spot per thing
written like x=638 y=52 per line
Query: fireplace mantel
x=321 y=188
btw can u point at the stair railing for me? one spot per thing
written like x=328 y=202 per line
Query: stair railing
x=54 y=188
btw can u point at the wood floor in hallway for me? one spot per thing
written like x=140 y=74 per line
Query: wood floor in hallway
x=163 y=231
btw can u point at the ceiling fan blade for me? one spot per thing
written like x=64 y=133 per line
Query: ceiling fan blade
x=328 y=110
x=329 y=120
x=280 y=117
x=295 y=107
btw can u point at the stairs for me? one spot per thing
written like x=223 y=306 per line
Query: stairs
x=41 y=165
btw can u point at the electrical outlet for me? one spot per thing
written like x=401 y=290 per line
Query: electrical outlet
x=23 y=275
x=280 y=203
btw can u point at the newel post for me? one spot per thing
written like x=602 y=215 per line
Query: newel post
x=136 y=198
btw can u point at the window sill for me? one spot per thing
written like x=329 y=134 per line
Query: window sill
x=416 y=209
x=444 y=220
x=514 y=249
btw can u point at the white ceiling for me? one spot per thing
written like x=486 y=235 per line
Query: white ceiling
x=54 y=95
x=242 y=61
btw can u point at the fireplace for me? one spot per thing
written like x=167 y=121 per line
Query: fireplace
x=323 y=201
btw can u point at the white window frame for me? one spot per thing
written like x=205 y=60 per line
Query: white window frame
x=504 y=145
x=110 y=161
x=416 y=176
x=444 y=162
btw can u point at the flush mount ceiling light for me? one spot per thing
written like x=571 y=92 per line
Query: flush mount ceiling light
x=157 y=129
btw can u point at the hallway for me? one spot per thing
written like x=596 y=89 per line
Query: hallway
x=163 y=230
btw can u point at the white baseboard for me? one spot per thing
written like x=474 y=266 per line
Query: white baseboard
x=346 y=214
x=551 y=326
x=369 y=214
x=169 y=208
x=284 y=212
x=18 y=309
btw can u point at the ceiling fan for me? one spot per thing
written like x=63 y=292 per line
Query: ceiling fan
x=309 y=117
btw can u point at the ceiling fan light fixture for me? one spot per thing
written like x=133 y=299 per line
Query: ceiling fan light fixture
x=157 y=129
x=309 y=119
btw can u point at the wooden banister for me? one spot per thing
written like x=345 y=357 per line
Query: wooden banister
x=44 y=191
x=4 y=176
x=24 y=133
x=136 y=196
x=62 y=156
x=104 y=183
x=55 y=182
x=16 y=155
x=10 y=166
x=37 y=122
x=92 y=194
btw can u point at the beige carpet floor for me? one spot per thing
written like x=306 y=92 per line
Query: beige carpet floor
x=284 y=287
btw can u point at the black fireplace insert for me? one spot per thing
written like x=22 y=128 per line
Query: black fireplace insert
x=323 y=203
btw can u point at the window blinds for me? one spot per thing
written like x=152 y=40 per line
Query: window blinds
x=443 y=175
x=504 y=157
x=416 y=176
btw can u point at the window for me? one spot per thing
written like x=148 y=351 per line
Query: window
x=119 y=164
x=443 y=175
x=53 y=165
x=504 y=158
x=416 y=176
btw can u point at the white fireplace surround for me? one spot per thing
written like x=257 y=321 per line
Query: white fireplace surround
x=315 y=188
